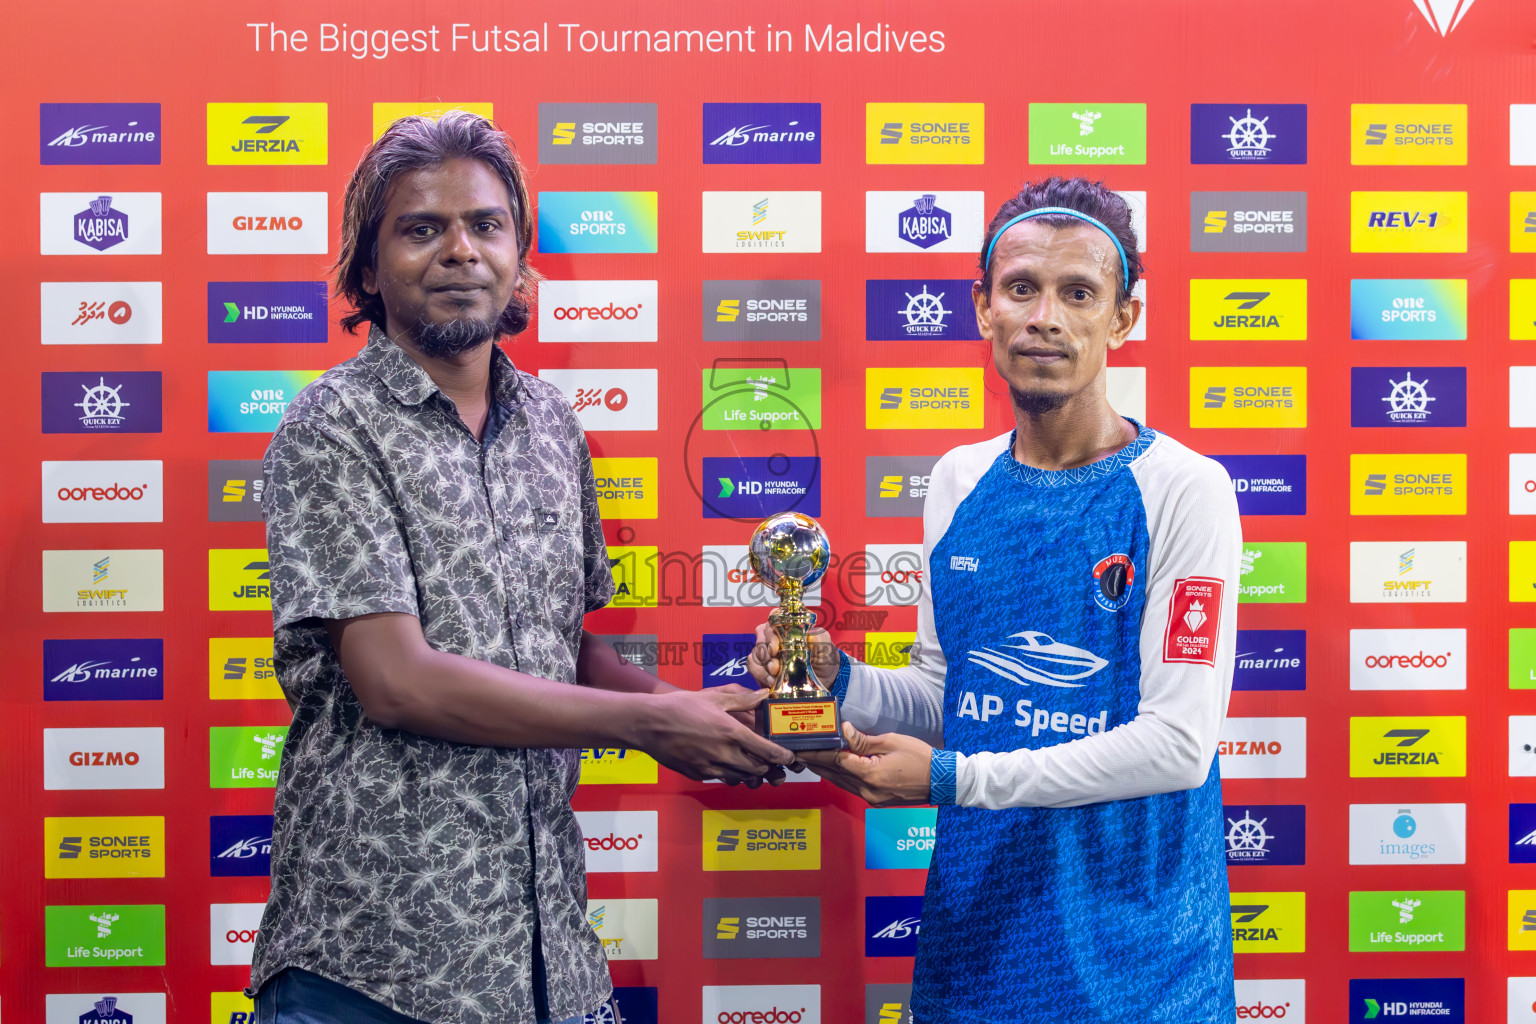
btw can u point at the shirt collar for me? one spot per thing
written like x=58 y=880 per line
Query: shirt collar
x=412 y=385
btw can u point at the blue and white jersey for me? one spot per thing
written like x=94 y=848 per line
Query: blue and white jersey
x=1073 y=663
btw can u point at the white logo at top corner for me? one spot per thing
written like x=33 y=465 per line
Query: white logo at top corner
x=1443 y=15
x=1038 y=658
x=1195 y=617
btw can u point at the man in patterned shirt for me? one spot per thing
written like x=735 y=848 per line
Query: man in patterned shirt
x=435 y=542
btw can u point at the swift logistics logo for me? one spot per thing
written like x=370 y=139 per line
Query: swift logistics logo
x=240 y=845
x=1399 y=834
x=126 y=402
x=743 y=487
x=268 y=134
x=252 y=401
x=1273 y=572
x=1269 y=922
x=1408 y=659
x=1408 y=133
x=98 y=133
x=245 y=757
x=896 y=485
x=1247 y=222
x=104 y=847
x=585 y=311
x=1268 y=485
x=1271 y=659
x=572 y=222
x=924 y=133
x=626 y=487
x=1418 y=309
x=772 y=927
x=103 y=670
x=239 y=579
x=1407 y=485
x=937 y=221
x=265 y=223
x=95 y=935
x=1393 y=572
x=101 y=313
x=892 y=925
x=1407 y=222
x=762 y=840
x=626 y=928
x=129 y=491
x=1432 y=746
x=1087 y=133
x=97 y=580
x=120 y=758
x=1248 y=396
x=762 y=133
x=1398 y=920
x=608 y=399
x=1248 y=133
x=948 y=398
x=234 y=490
x=899 y=837
x=765 y=398
x=93 y=224
x=1263 y=748
x=1408 y=396
x=1265 y=834
x=597 y=133
x=242 y=668
x=761 y=311
x=267 y=312
x=924 y=310
x=1241 y=310
x=761 y=222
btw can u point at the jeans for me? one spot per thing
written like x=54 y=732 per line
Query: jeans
x=299 y=997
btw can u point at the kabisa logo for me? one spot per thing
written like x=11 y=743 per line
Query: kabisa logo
x=259 y=223
x=571 y=222
x=583 y=311
x=609 y=399
x=1263 y=748
x=771 y=222
x=1269 y=922
x=1408 y=396
x=93 y=403
x=892 y=925
x=267 y=312
x=1419 y=747
x=1272 y=999
x=245 y=757
x=1273 y=572
x=1265 y=834
x=101 y=227
x=937 y=310
x=1408 y=222
x=737 y=929
x=762 y=311
x=1396 y=920
x=949 y=397
x=755 y=488
x=924 y=133
x=104 y=936
x=1268 y=485
x=899 y=837
x=1094 y=133
x=1426 y=485
x=724 y=658
x=762 y=1004
x=101 y=313
x=1389 y=572
x=619 y=840
x=252 y=401
x=762 y=133
x=896 y=485
x=597 y=133
x=1248 y=222
x=1408 y=133
x=762 y=840
x=268 y=134
x=1387 y=1000
x=1248 y=396
x=240 y=845
x=1401 y=834
x=120 y=758
x=1269 y=133
x=98 y=133
x=104 y=847
x=96 y=224
x=1408 y=310
x=923 y=222
x=93 y=580
x=1113 y=577
x=1236 y=310
x=1271 y=659
x=103 y=670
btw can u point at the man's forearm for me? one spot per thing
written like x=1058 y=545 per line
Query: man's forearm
x=598 y=665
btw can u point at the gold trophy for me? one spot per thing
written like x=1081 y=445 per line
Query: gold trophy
x=790 y=553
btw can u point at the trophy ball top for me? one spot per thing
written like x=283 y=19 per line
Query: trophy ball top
x=790 y=546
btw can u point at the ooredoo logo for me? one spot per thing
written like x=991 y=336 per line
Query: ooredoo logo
x=1408 y=659
x=253 y=223
x=232 y=929
x=1272 y=999
x=762 y=1004
x=597 y=311
x=619 y=840
x=103 y=492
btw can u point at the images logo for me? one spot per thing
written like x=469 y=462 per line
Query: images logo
x=1247 y=222
x=626 y=928
x=619 y=840
x=1273 y=572
x=1396 y=920
x=1269 y=922
x=762 y=311
x=1248 y=396
x=101 y=313
x=1395 y=834
x=1408 y=485
x=92 y=224
x=1408 y=659
x=896 y=485
x=267 y=133
x=949 y=398
x=1269 y=133
x=1421 y=747
x=1408 y=396
x=103 y=492
x=92 y=403
x=609 y=399
x=929 y=309
x=240 y=845
x=771 y=927
x=1274 y=310
x=766 y=398
x=1271 y=659
x=98 y=133
x=1265 y=834
x=899 y=837
x=1406 y=571
x=597 y=311
x=267 y=312
x=1408 y=222
x=103 y=670
x=94 y=580
x=258 y=223
x=762 y=222
x=1408 y=133
x=241 y=668
x=1268 y=485
x=104 y=758
x=1263 y=748
x=597 y=133
x=104 y=847
x=597 y=222
x=104 y=936
x=892 y=925
x=924 y=133
x=762 y=840
x=923 y=221
x=252 y=401
x=245 y=757
x=1408 y=310
x=742 y=487
x=1100 y=133
x=762 y=133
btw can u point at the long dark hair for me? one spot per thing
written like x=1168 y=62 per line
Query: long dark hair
x=1091 y=197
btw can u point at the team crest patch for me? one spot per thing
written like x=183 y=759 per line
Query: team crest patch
x=1112 y=580
x=1194 y=617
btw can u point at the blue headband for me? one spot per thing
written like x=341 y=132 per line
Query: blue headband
x=1061 y=211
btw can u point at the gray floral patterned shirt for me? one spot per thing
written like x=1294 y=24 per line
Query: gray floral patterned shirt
x=410 y=868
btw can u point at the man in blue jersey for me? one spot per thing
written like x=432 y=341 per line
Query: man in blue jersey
x=1071 y=671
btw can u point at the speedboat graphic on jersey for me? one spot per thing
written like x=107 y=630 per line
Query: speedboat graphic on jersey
x=1038 y=658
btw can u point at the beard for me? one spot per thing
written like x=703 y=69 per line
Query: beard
x=443 y=340
x=1037 y=403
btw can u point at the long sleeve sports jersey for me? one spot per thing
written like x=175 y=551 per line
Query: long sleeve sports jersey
x=1073 y=664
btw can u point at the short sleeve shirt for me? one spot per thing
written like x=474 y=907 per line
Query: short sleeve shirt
x=413 y=869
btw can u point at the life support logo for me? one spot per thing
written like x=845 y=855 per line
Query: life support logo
x=1113 y=577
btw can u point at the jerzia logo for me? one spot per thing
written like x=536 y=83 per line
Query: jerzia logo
x=1274 y=309
x=1397 y=747
x=267 y=133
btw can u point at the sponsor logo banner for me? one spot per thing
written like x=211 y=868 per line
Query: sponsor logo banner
x=1408 y=396
x=1522 y=134
x=1390 y=572
x=727 y=580
x=1407 y=485
x=1259 y=834
x=1248 y=133
x=267 y=312
x=1522 y=222
x=1271 y=659
x=626 y=487
x=98 y=133
x=240 y=845
x=761 y=1004
x=103 y=492
x=1408 y=659
x=1268 y=485
x=619 y=840
x=893 y=574
x=1407 y=222
x=1088 y=133
x=923 y=398
x=762 y=133
x=104 y=847
x=232 y=931
x=762 y=311
x=103 y=670
x=1522 y=991
x=924 y=309
x=762 y=840
x=1248 y=396
x=1194 y=618
x=636 y=1005
x=609 y=399
x=126 y=402
x=1402 y=309
x=763 y=398
x=597 y=133
x=1408 y=133
x=101 y=312
x=742 y=487
x=231 y=1008
x=923 y=222
x=774 y=927
x=90 y=1007
x=242 y=668
x=626 y=928
x=1272 y=999
x=252 y=401
x=1269 y=922
x=239 y=579
x=1522 y=570
x=1407 y=921
x=1247 y=222
x=1263 y=748
x=244 y=756
x=899 y=837
x=95 y=224
x=1257 y=310
x=1398 y=834
x=615 y=766
x=1273 y=572
x=1522 y=484
x=597 y=311
x=94 y=935
x=924 y=133
x=1432 y=746
x=1522 y=385
x=892 y=925
x=268 y=134
x=639 y=649
x=597 y=221
x=1522 y=936
x=634 y=575
x=96 y=580
x=260 y=223
x=1522 y=833
x=724 y=657
x=889 y=648
x=757 y=222
x=121 y=758
x=896 y=485
x=386 y=114
x=887 y=1004
x=1522 y=309
x=1522 y=659
x=234 y=490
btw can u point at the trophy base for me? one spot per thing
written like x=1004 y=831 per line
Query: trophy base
x=803 y=723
